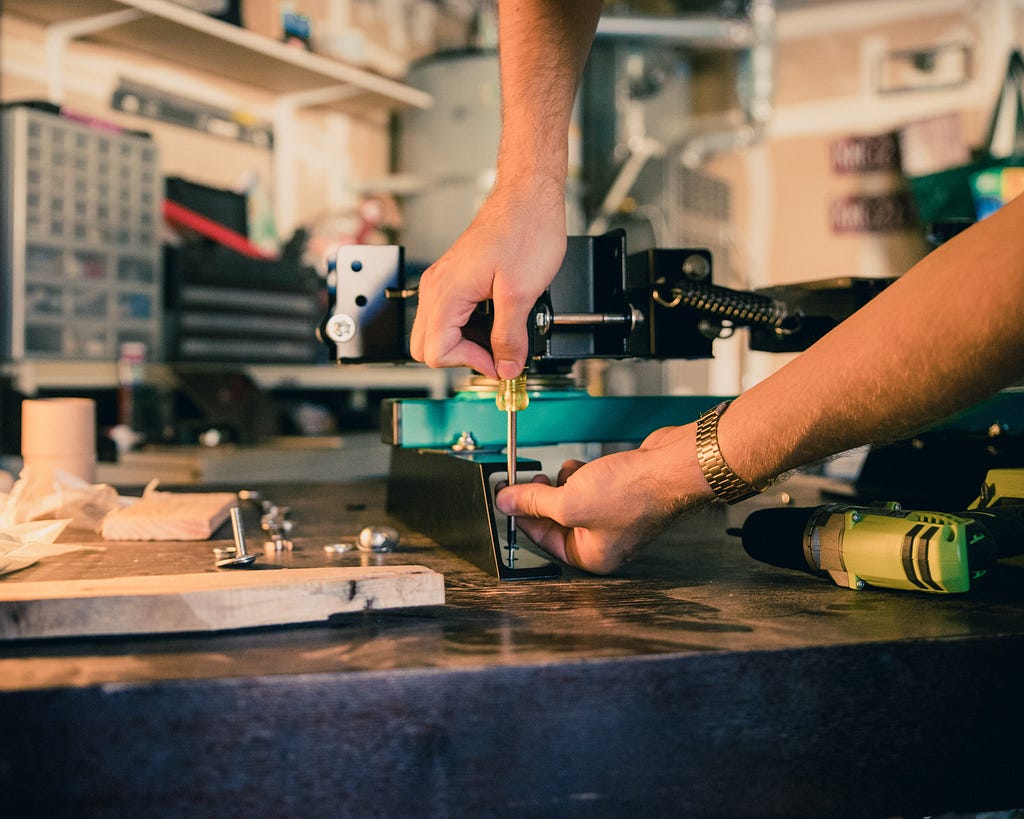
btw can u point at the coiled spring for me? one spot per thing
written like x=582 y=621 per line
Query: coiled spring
x=735 y=306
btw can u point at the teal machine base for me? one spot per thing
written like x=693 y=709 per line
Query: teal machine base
x=449 y=495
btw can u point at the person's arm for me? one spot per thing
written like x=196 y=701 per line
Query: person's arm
x=512 y=250
x=947 y=334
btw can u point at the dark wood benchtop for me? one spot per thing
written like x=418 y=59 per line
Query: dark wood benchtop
x=694 y=682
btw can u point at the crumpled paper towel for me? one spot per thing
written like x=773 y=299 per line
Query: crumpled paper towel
x=24 y=544
x=37 y=510
x=37 y=497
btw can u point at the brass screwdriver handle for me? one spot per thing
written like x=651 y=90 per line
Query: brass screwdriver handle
x=726 y=484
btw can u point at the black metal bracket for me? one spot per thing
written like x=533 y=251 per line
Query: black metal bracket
x=448 y=497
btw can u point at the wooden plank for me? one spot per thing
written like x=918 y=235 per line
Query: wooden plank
x=170 y=516
x=208 y=601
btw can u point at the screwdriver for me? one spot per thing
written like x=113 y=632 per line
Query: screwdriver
x=512 y=398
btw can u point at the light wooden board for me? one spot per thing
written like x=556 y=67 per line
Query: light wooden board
x=170 y=516
x=208 y=601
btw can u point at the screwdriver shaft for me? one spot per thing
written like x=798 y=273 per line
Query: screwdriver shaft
x=511 y=398
x=510 y=451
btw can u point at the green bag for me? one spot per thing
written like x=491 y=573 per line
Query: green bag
x=948 y=194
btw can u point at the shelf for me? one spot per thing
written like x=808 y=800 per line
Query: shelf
x=31 y=375
x=180 y=35
x=435 y=382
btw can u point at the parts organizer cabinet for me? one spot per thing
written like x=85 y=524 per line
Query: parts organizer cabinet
x=81 y=256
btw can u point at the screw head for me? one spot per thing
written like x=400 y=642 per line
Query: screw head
x=465 y=443
x=696 y=267
x=340 y=328
x=542 y=320
x=378 y=539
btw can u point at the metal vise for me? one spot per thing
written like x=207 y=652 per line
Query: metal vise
x=602 y=303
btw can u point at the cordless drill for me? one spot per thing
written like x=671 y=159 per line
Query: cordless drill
x=893 y=548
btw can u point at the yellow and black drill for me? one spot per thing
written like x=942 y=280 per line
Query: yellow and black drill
x=891 y=547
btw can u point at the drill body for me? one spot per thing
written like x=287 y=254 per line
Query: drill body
x=896 y=549
x=893 y=548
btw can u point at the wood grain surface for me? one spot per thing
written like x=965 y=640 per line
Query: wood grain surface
x=209 y=601
x=170 y=516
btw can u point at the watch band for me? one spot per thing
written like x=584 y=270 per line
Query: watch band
x=726 y=484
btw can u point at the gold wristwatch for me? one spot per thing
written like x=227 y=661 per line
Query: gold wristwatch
x=726 y=484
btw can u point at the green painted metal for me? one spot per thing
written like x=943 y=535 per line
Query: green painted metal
x=1005 y=409
x=428 y=423
x=568 y=417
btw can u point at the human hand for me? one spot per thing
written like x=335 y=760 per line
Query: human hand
x=599 y=514
x=510 y=253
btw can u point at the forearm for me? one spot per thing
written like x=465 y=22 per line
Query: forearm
x=947 y=334
x=543 y=47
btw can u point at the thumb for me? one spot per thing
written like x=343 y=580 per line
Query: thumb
x=509 y=342
x=537 y=499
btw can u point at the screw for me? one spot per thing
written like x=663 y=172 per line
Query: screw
x=696 y=267
x=466 y=442
x=250 y=495
x=378 y=539
x=340 y=328
x=241 y=556
x=275 y=523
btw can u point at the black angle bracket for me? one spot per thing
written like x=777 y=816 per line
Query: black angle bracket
x=448 y=497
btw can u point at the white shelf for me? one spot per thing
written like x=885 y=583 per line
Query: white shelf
x=435 y=382
x=180 y=35
x=31 y=375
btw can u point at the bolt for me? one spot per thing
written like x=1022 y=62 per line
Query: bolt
x=466 y=442
x=378 y=539
x=340 y=328
x=542 y=320
x=241 y=556
x=275 y=523
x=696 y=267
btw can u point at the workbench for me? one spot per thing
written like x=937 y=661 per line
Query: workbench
x=696 y=682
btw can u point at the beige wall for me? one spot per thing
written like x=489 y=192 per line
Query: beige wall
x=826 y=89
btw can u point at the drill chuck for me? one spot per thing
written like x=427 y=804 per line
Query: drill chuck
x=776 y=537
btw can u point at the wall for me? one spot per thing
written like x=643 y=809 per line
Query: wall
x=827 y=60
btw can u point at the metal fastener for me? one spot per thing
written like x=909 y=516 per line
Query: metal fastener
x=241 y=556
x=378 y=539
x=466 y=442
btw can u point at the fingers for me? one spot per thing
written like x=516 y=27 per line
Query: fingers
x=509 y=341
x=539 y=527
x=567 y=470
x=548 y=535
x=437 y=338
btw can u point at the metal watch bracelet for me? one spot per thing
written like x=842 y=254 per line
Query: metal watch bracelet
x=726 y=484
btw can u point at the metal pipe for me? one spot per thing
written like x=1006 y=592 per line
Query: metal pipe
x=694 y=31
x=590 y=319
